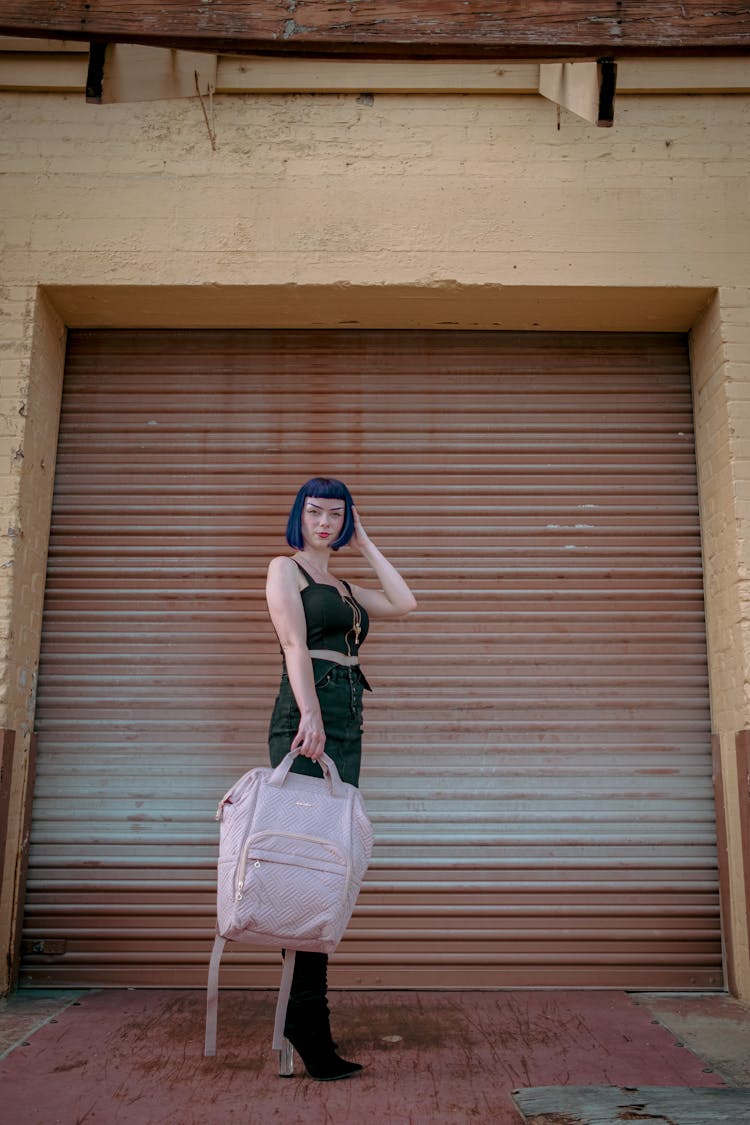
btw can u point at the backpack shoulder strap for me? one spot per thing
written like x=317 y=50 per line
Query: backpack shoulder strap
x=282 y=1003
x=212 y=996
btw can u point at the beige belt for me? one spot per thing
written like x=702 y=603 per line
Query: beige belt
x=334 y=657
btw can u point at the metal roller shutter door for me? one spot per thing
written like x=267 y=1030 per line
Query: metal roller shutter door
x=537 y=748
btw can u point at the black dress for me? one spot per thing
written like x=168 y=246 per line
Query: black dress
x=331 y=621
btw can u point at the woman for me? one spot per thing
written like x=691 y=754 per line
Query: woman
x=321 y=622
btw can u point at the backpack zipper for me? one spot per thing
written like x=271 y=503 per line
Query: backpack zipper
x=288 y=836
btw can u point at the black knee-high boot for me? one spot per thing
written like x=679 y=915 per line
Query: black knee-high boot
x=307 y=1024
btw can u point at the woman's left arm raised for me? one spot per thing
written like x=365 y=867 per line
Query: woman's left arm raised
x=394 y=598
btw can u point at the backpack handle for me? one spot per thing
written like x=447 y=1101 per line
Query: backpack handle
x=328 y=766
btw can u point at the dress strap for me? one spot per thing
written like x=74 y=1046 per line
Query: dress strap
x=309 y=577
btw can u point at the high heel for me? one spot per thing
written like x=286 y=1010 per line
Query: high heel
x=308 y=1029
x=319 y=1058
x=286 y=1060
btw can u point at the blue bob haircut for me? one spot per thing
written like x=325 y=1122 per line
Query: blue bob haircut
x=324 y=488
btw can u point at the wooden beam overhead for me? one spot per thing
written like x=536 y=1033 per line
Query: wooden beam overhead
x=460 y=29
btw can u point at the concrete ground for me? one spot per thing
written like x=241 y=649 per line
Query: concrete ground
x=134 y=1057
x=714 y=1027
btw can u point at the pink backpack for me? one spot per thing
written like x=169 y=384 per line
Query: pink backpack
x=293 y=851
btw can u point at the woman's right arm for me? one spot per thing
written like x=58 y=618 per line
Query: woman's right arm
x=288 y=617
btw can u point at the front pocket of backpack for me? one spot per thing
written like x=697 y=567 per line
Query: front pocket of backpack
x=291 y=886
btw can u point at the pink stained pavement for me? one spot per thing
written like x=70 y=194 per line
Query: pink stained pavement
x=432 y=1058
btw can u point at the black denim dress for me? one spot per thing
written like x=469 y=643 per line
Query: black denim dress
x=339 y=690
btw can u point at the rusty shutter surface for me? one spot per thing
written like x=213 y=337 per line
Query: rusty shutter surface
x=537 y=748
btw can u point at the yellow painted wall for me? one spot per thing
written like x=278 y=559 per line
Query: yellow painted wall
x=323 y=188
x=390 y=209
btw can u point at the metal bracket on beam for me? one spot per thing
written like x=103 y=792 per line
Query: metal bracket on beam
x=585 y=88
x=124 y=72
x=95 y=76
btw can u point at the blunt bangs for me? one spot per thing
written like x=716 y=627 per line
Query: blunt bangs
x=324 y=488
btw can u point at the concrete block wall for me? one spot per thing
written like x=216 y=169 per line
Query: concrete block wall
x=320 y=188
x=111 y=215
x=720 y=384
x=33 y=355
x=720 y=360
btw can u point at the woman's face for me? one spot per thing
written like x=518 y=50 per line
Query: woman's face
x=322 y=521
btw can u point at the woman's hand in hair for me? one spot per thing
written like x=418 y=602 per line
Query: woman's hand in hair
x=394 y=599
x=360 y=540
